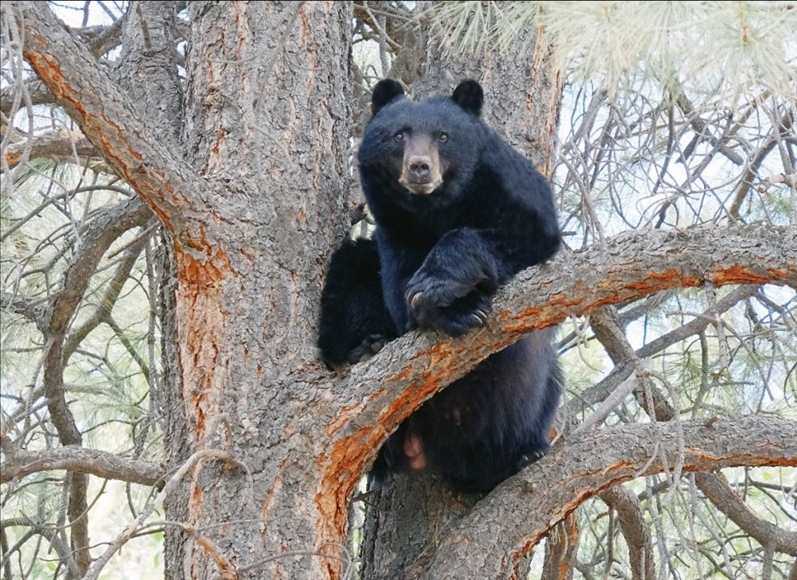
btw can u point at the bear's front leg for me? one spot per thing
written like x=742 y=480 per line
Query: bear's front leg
x=452 y=289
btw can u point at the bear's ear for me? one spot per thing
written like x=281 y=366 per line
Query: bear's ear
x=385 y=91
x=470 y=96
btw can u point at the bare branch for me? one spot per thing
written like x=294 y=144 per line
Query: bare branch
x=50 y=534
x=635 y=530
x=101 y=39
x=716 y=488
x=64 y=144
x=81 y=460
x=100 y=234
x=699 y=324
x=103 y=311
x=174 y=480
x=623 y=370
x=699 y=125
x=780 y=131
x=37 y=91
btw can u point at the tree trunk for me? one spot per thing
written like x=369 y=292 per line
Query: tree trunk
x=267 y=82
x=252 y=205
x=403 y=520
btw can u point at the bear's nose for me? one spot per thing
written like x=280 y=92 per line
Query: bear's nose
x=419 y=167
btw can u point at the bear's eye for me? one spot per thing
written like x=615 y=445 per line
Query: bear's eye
x=443 y=137
x=399 y=136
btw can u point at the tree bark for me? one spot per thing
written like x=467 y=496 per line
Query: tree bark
x=264 y=447
x=513 y=518
x=253 y=206
x=267 y=83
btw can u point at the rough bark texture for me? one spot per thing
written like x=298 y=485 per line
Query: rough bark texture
x=253 y=205
x=267 y=83
x=107 y=116
x=635 y=530
x=404 y=522
x=385 y=390
x=501 y=528
x=561 y=551
x=82 y=460
x=249 y=182
x=522 y=90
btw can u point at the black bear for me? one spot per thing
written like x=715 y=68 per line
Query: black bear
x=458 y=212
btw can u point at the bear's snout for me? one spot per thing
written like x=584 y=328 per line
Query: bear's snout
x=421 y=173
x=419 y=167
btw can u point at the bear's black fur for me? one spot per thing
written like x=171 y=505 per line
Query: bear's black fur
x=458 y=212
x=355 y=322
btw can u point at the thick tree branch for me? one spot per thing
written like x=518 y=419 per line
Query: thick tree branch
x=106 y=115
x=635 y=530
x=544 y=493
x=385 y=390
x=38 y=93
x=713 y=485
x=81 y=460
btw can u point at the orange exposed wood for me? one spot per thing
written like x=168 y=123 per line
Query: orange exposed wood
x=342 y=467
x=202 y=319
x=742 y=275
x=341 y=471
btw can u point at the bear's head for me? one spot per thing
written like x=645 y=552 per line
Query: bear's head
x=426 y=148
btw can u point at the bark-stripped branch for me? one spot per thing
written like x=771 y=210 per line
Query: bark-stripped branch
x=545 y=492
x=106 y=115
x=385 y=390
